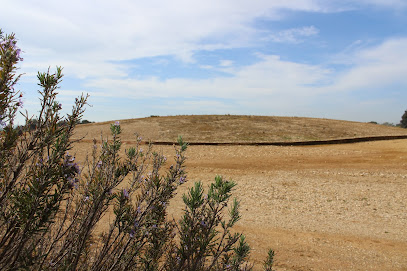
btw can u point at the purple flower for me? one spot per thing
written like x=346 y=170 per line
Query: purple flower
x=69 y=159
x=99 y=164
x=2 y=124
x=73 y=183
x=86 y=198
x=74 y=167
x=132 y=232
x=117 y=123
x=182 y=180
x=125 y=193
x=18 y=51
x=13 y=44
x=77 y=169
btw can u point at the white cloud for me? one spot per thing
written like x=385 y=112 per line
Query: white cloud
x=375 y=67
x=346 y=5
x=226 y=63
x=86 y=36
x=269 y=77
x=275 y=85
x=90 y=32
x=395 y=4
x=206 y=67
x=294 y=35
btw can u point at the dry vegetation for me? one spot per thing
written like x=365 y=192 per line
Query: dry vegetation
x=334 y=207
x=225 y=128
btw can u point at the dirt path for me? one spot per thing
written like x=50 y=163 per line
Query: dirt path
x=334 y=207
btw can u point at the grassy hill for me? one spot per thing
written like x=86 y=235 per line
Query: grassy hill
x=233 y=128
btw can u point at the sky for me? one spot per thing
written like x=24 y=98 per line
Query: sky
x=335 y=59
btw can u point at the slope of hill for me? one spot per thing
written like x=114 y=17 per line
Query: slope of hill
x=232 y=128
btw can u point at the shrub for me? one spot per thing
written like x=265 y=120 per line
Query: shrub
x=85 y=122
x=50 y=206
x=403 y=121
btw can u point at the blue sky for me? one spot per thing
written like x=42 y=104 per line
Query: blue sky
x=312 y=58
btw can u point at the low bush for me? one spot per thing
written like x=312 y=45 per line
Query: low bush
x=50 y=206
x=403 y=121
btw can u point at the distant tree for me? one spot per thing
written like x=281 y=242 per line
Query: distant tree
x=403 y=122
x=85 y=121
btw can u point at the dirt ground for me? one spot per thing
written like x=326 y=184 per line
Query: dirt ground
x=332 y=207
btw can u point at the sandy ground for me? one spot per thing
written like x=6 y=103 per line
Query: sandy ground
x=334 y=207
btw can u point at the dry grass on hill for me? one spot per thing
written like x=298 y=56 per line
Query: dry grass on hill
x=230 y=128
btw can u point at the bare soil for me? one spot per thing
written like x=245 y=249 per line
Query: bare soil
x=332 y=207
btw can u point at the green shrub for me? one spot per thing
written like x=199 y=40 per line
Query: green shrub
x=403 y=121
x=50 y=205
x=85 y=122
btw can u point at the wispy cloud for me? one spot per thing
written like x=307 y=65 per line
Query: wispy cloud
x=394 y=4
x=87 y=38
x=81 y=32
x=272 y=82
x=270 y=76
x=225 y=63
x=375 y=67
x=294 y=35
